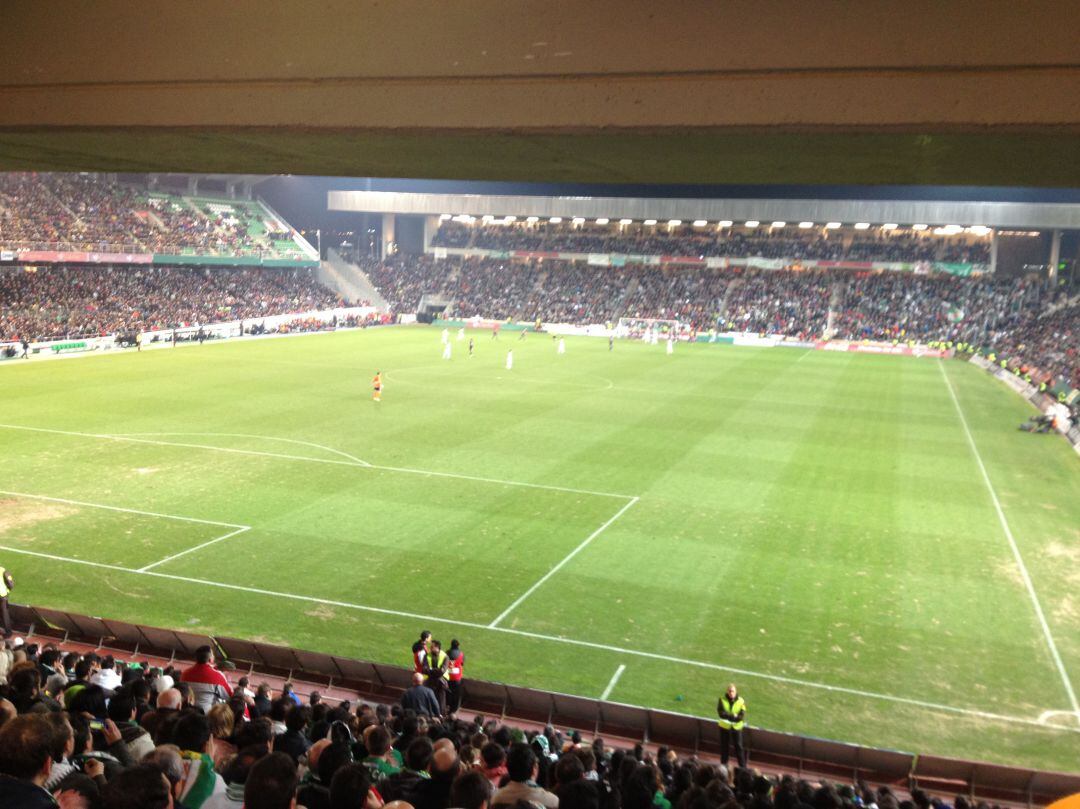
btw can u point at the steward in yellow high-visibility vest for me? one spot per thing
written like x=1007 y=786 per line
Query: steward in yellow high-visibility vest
x=437 y=669
x=6 y=583
x=731 y=709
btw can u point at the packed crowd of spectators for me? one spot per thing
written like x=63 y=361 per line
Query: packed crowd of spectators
x=790 y=303
x=58 y=302
x=577 y=293
x=773 y=243
x=889 y=306
x=690 y=295
x=83 y=731
x=85 y=212
x=1050 y=343
x=491 y=288
x=403 y=279
x=1002 y=315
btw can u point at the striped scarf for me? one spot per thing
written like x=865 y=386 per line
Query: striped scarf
x=199 y=778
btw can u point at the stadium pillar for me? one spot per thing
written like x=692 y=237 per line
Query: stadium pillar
x=388 y=238
x=993 y=252
x=431 y=226
x=1055 y=254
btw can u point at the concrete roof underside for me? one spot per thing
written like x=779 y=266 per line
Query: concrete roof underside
x=1028 y=215
x=696 y=92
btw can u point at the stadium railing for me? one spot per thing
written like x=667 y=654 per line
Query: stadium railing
x=808 y=756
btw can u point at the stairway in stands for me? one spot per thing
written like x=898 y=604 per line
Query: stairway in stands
x=349 y=280
x=836 y=303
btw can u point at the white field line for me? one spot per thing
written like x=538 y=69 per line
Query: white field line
x=361 y=465
x=611 y=683
x=1015 y=549
x=124 y=510
x=345 y=455
x=776 y=678
x=562 y=562
x=1046 y=716
x=207 y=544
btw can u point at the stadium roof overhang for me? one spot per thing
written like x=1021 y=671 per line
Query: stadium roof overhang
x=1032 y=216
x=681 y=93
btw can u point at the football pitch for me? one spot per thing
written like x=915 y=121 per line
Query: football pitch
x=865 y=544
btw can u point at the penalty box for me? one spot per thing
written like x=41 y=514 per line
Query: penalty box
x=402 y=539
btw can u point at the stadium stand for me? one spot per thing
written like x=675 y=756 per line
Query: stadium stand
x=59 y=302
x=81 y=212
x=340 y=742
x=1015 y=318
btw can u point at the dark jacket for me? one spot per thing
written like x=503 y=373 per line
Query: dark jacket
x=24 y=794
x=292 y=742
x=313 y=796
x=262 y=707
x=422 y=700
x=406 y=785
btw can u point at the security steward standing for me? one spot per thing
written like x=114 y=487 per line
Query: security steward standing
x=454 y=674
x=732 y=712
x=6 y=583
x=436 y=667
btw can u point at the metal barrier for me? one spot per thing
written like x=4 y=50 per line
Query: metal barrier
x=377 y=681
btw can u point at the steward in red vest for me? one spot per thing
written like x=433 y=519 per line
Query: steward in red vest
x=455 y=672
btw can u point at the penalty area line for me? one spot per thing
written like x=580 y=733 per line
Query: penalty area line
x=611 y=683
x=555 y=639
x=494 y=624
x=207 y=544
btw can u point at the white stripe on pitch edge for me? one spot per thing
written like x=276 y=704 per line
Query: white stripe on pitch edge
x=339 y=462
x=1015 y=549
x=611 y=683
x=122 y=510
x=777 y=678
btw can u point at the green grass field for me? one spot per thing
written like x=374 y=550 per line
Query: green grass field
x=812 y=525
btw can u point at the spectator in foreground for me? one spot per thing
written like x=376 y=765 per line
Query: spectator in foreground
x=522 y=766
x=200 y=782
x=470 y=790
x=236 y=775
x=25 y=763
x=420 y=699
x=141 y=787
x=271 y=784
x=208 y=684
x=351 y=789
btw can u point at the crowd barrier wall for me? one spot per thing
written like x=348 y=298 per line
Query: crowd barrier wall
x=90 y=257
x=805 y=755
x=1044 y=401
x=162 y=338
